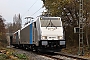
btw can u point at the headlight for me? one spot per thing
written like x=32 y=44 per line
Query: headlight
x=44 y=37
x=44 y=43
x=62 y=42
x=60 y=37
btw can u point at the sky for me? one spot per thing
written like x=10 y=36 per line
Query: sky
x=8 y=8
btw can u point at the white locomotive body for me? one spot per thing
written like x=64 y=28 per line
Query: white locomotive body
x=44 y=34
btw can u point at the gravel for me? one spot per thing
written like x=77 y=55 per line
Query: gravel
x=31 y=55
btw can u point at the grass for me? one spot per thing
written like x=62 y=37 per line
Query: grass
x=74 y=51
x=10 y=54
x=21 y=56
x=4 y=57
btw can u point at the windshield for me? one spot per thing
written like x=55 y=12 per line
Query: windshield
x=50 y=22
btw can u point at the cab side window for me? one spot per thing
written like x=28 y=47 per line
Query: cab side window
x=35 y=24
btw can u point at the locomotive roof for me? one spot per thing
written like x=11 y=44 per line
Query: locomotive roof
x=45 y=18
x=16 y=31
x=28 y=24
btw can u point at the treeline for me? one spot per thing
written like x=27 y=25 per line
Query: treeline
x=8 y=28
x=3 y=40
x=2 y=28
x=68 y=10
x=16 y=25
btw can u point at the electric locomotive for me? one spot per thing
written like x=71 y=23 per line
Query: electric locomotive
x=44 y=34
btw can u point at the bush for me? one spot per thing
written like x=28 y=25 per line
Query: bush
x=21 y=56
x=3 y=57
x=3 y=43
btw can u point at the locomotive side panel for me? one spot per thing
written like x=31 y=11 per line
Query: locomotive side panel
x=29 y=34
x=35 y=35
x=25 y=35
x=37 y=32
x=16 y=37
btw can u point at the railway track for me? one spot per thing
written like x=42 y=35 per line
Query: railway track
x=61 y=56
x=52 y=56
x=72 y=56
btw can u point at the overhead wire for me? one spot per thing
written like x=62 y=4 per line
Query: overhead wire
x=30 y=7
x=36 y=11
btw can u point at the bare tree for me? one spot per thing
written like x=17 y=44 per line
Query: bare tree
x=17 y=22
x=9 y=27
x=2 y=30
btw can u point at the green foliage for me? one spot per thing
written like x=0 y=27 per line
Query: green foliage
x=21 y=56
x=55 y=6
x=67 y=9
x=3 y=57
x=10 y=54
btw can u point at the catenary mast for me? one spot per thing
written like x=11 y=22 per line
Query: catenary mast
x=81 y=48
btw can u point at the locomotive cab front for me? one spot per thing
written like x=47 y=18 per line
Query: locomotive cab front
x=52 y=36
